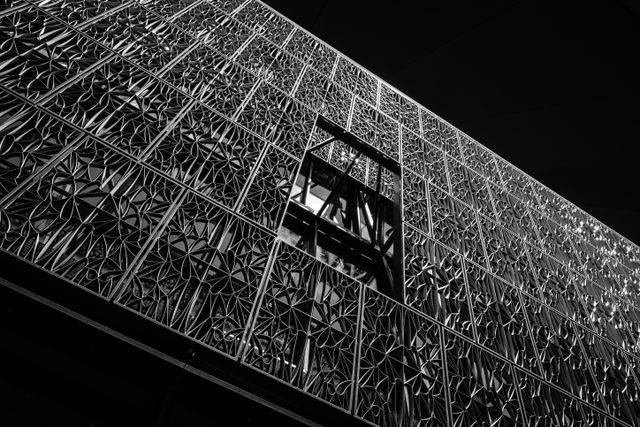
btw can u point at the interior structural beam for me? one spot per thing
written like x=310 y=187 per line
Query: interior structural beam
x=358 y=144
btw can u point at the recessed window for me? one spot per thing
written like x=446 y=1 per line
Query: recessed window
x=341 y=210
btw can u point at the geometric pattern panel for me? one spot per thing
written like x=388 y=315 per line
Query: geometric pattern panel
x=482 y=387
x=202 y=274
x=148 y=150
x=305 y=330
x=401 y=376
x=87 y=217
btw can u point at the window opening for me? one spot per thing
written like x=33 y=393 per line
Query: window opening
x=344 y=209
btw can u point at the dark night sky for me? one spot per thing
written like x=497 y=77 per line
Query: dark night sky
x=552 y=86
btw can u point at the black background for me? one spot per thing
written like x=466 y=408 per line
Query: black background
x=551 y=86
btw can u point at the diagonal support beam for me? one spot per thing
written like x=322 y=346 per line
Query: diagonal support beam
x=333 y=193
x=322 y=144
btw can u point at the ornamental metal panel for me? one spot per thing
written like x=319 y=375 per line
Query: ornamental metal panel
x=148 y=154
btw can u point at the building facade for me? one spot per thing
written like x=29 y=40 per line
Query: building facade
x=219 y=173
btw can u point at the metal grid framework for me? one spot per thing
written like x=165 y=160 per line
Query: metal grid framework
x=147 y=153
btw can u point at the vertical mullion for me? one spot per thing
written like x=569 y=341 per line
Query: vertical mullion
x=307 y=183
x=445 y=374
x=252 y=175
x=355 y=376
x=376 y=209
x=119 y=288
x=253 y=315
x=516 y=380
x=398 y=243
x=313 y=242
x=469 y=302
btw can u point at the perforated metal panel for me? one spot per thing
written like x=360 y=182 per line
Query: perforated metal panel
x=147 y=154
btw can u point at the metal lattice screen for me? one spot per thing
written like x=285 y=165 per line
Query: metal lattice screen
x=147 y=154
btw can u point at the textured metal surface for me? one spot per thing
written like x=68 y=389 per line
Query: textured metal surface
x=147 y=154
